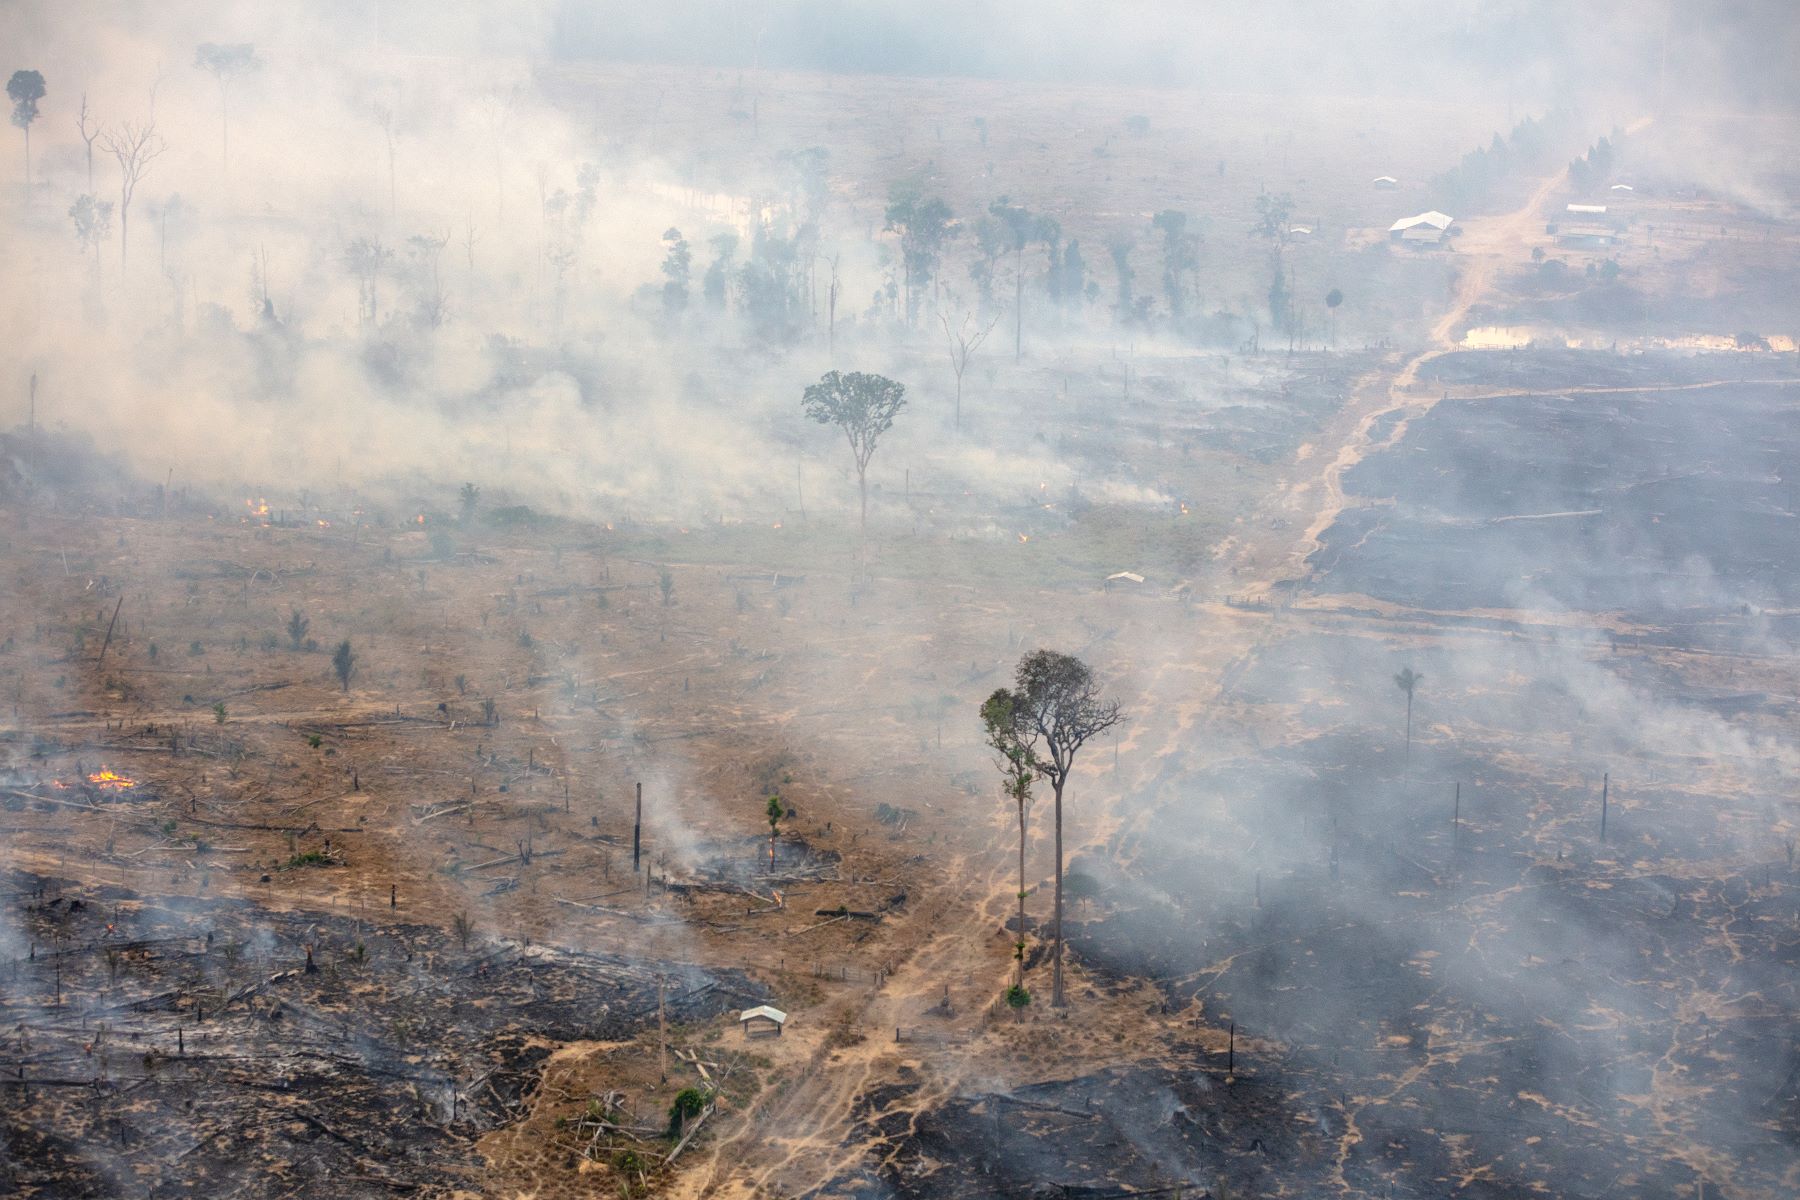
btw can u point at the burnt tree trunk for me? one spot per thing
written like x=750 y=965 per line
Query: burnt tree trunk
x=1056 y=953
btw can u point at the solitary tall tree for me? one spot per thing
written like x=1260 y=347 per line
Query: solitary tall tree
x=1021 y=229
x=343 y=663
x=226 y=64
x=25 y=89
x=134 y=146
x=1406 y=681
x=864 y=407
x=1059 y=709
x=297 y=627
x=1010 y=740
x=774 y=811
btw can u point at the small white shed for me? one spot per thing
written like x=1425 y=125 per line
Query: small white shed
x=764 y=1020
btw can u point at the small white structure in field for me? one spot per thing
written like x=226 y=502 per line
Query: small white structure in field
x=1386 y=183
x=1124 y=579
x=1590 y=209
x=1426 y=223
x=762 y=1021
x=1621 y=189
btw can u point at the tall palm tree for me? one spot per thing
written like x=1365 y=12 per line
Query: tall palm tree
x=1406 y=681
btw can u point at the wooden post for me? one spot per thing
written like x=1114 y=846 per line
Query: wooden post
x=1231 y=1052
x=1605 y=787
x=637 y=829
x=109 y=631
x=662 y=1029
x=1456 y=820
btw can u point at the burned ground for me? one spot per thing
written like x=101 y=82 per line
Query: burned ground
x=168 y=1047
x=1654 y=503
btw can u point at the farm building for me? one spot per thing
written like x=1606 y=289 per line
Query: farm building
x=1127 y=580
x=1434 y=221
x=1592 y=210
x=762 y=1021
x=1585 y=237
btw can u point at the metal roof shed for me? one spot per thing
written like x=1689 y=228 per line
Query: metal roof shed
x=762 y=1021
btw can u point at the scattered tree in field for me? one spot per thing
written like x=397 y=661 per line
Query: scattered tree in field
x=343 y=663
x=297 y=627
x=774 y=811
x=1273 y=212
x=688 y=1103
x=864 y=407
x=226 y=64
x=93 y=222
x=426 y=251
x=1011 y=740
x=676 y=266
x=963 y=339
x=468 y=497
x=25 y=89
x=366 y=258
x=490 y=711
x=1181 y=258
x=1057 y=709
x=134 y=146
x=1281 y=302
x=463 y=928
x=1125 y=307
x=1333 y=299
x=1019 y=228
x=1406 y=681
x=665 y=583
x=716 y=284
x=924 y=226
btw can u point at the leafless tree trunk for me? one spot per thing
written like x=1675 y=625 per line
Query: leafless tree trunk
x=87 y=138
x=134 y=146
x=962 y=347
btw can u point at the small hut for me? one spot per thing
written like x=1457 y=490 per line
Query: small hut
x=1126 y=580
x=762 y=1021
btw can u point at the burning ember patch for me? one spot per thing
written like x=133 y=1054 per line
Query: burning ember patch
x=110 y=780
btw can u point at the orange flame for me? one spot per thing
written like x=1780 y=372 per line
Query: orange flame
x=106 y=777
x=1024 y=537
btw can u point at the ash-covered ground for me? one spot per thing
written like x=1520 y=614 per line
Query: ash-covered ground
x=168 y=1046
x=1445 y=976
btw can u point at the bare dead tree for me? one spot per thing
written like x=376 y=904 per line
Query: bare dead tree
x=134 y=145
x=963 y=340
x=1058 y=710
x=88 y=134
